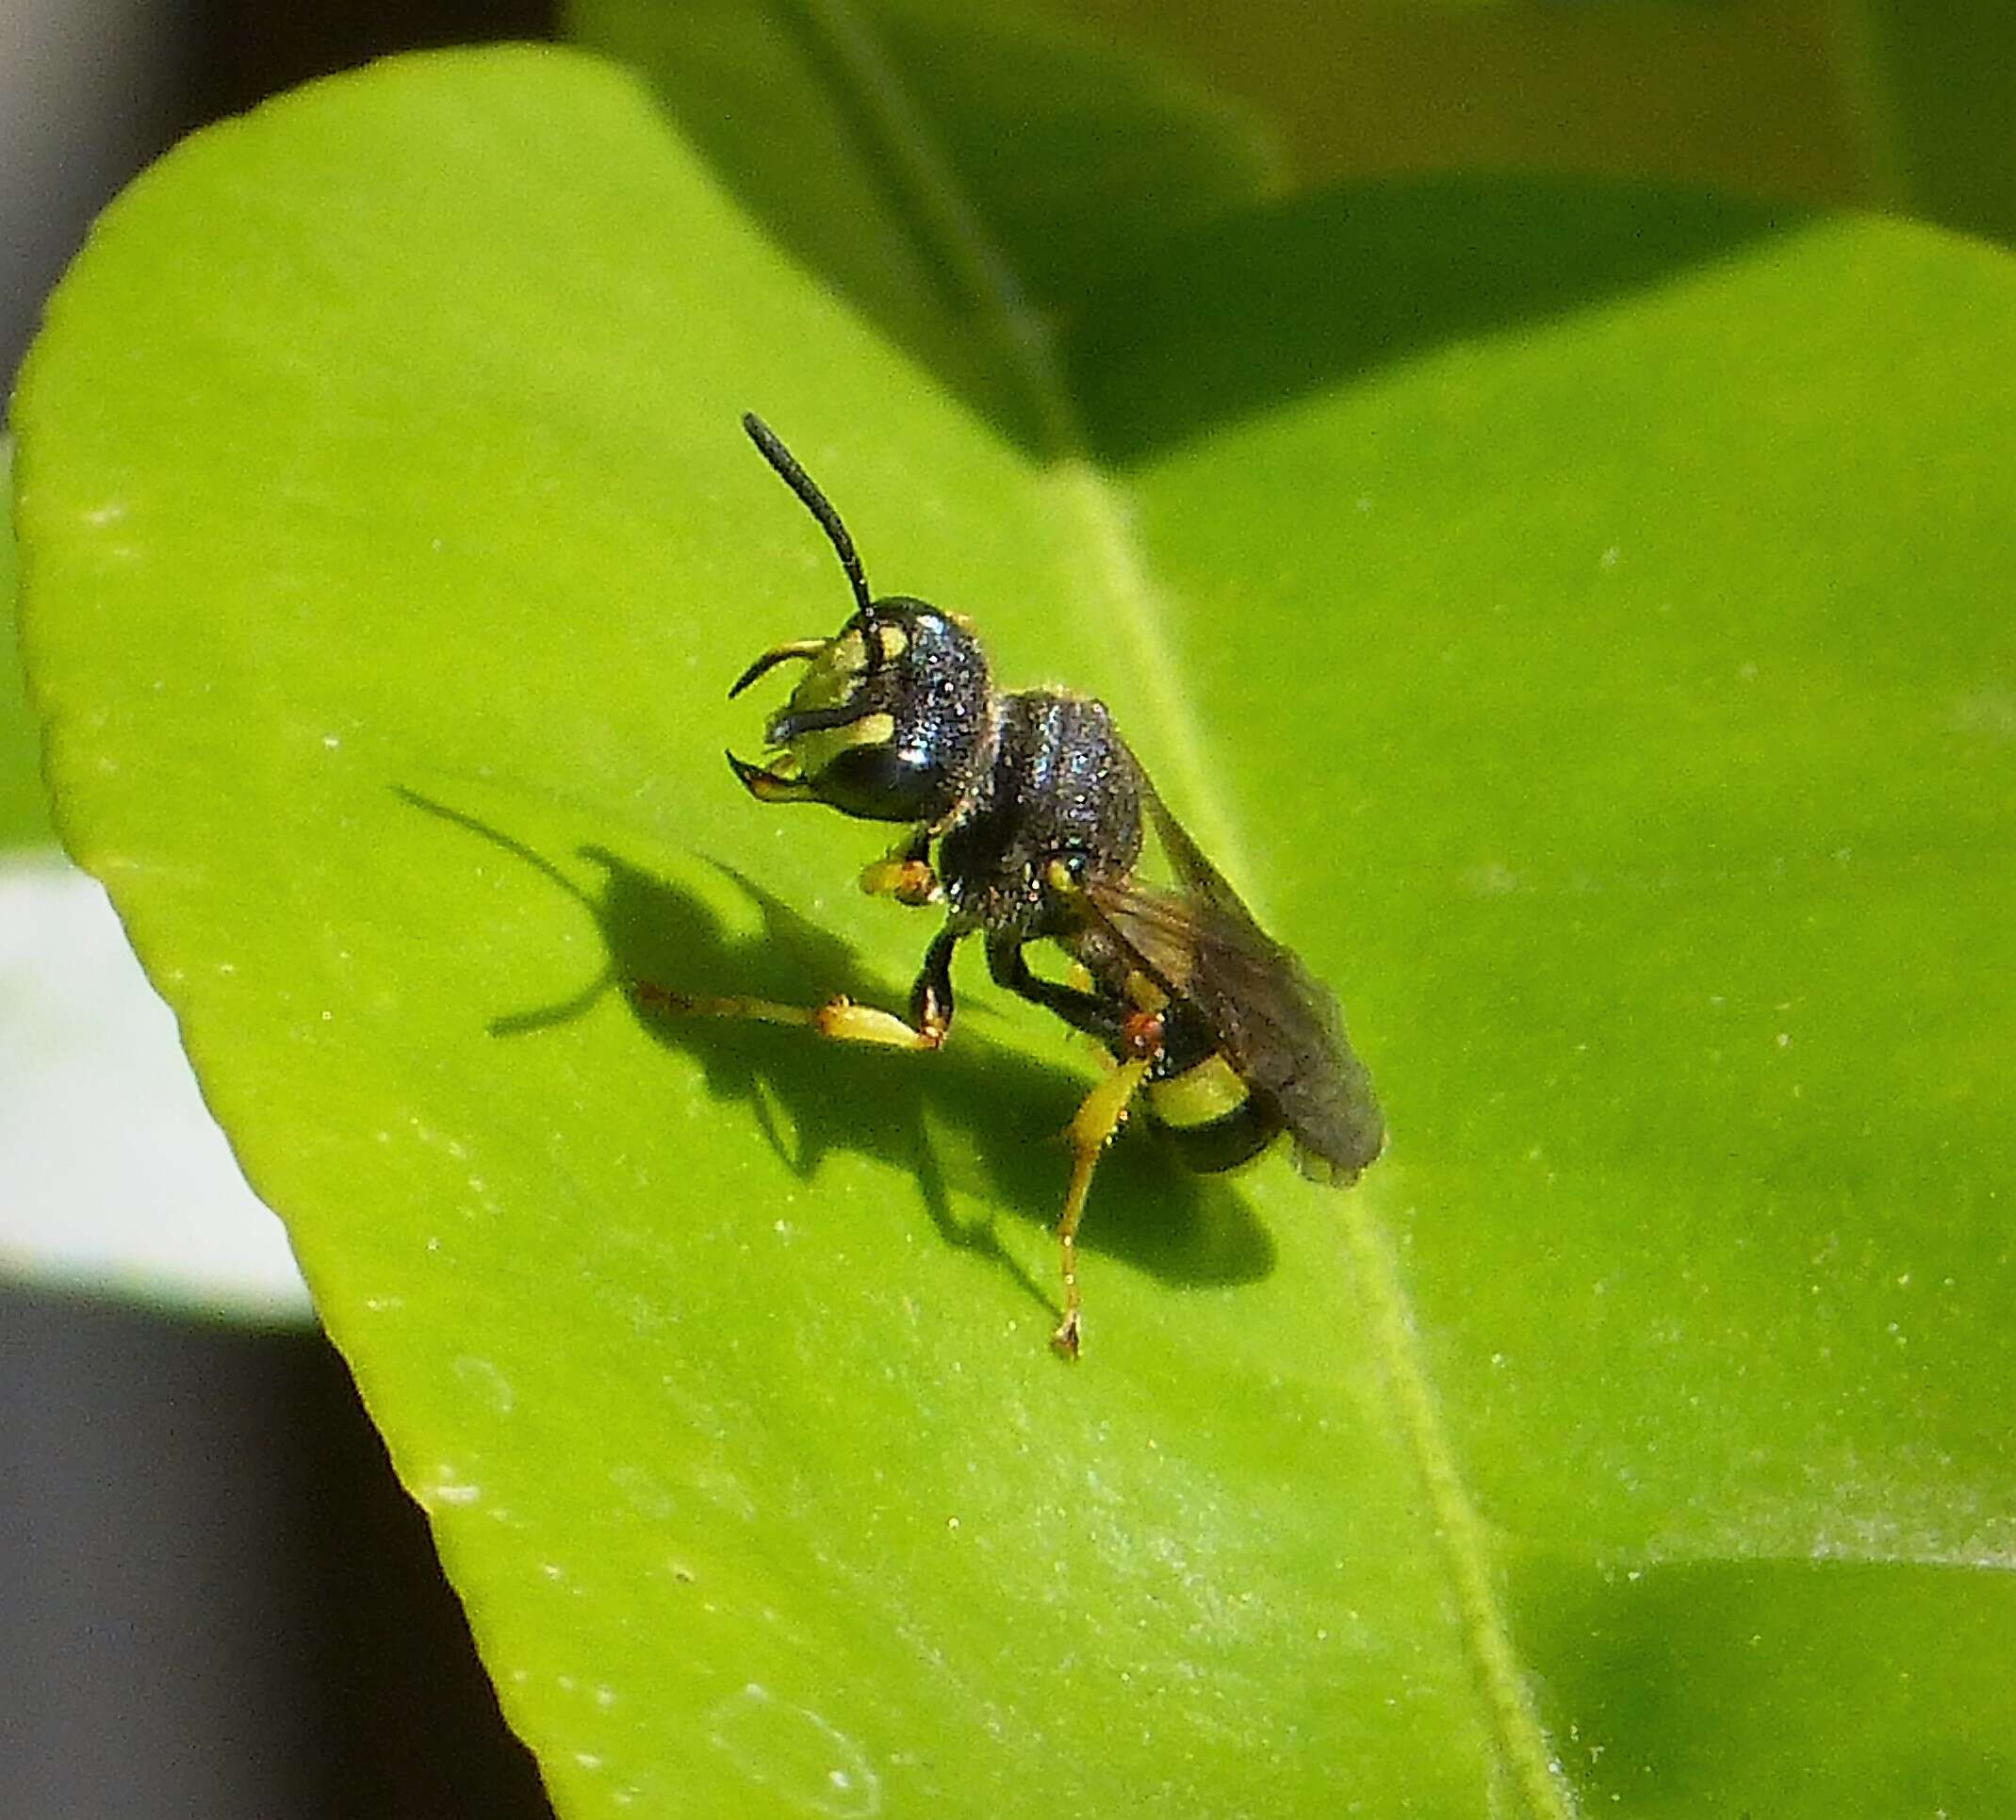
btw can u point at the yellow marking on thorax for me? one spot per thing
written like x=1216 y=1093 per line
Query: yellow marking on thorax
x=1199 y=1094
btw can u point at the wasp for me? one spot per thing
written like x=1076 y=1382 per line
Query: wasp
x=1028 y=818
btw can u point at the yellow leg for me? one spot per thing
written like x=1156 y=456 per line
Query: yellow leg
x=838 y=1017
x=909 y=882
x=1091 y=1126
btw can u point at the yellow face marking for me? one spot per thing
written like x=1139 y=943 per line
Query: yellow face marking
x=838 y=666
x=815 y=751
x=1198 y=1096
x=829 y=681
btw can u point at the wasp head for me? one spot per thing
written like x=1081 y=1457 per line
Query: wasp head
x=890 y=721
x=893 y=719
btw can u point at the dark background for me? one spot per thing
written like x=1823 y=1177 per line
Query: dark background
x=215 y=1600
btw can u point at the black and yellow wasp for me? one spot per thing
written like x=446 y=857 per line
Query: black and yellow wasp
x=1038 y=813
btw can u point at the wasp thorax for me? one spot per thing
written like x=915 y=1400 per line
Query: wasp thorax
x=892 y=720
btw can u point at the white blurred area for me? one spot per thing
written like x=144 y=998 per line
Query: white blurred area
x=112 y=1176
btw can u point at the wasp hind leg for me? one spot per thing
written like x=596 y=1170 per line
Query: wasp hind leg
x=1090 y=1129
x=839 y=1018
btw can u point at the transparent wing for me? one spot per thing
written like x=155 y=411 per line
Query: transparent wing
x=1281 y=1026
x=1157 y=928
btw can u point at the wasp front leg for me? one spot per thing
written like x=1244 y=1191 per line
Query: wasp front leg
x=1079 y=1005
x=839 y=1018
x=906 y=875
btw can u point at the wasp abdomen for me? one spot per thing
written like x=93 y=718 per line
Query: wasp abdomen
x=1212 y=1115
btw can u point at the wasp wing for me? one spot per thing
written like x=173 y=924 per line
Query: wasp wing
x=1280 y=1025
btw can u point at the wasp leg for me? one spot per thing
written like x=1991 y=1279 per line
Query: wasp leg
x=1083 y=1010
x=932 y=996
x=1090 y=1129
x=838 y=1017
x=905 y=875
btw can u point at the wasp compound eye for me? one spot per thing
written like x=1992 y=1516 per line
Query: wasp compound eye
x=882 y=783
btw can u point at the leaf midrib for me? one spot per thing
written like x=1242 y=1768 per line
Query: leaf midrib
x=958 y=238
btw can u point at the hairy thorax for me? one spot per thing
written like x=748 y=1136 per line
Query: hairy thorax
x=1063 y=787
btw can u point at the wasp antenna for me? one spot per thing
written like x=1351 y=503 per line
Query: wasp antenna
x=814 y=501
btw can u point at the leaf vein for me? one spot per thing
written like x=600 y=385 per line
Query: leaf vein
x=937 y=203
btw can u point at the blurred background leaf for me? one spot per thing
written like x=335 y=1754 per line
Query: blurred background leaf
x=992 y=190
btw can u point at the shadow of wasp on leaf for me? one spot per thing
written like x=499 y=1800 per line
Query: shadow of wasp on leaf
x=974 y=1120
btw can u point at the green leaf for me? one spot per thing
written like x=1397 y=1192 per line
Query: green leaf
x=23 y=806
x=117 y=1180
x=1936 y=76
x=965 y=179
x=1076 y=128
x=1588 y=644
